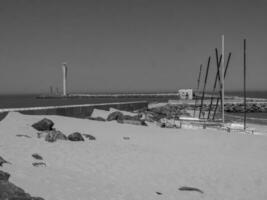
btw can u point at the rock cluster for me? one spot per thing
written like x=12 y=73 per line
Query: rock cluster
x=239 y=108
x=46 y=131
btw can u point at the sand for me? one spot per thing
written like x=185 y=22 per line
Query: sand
x=222 y=165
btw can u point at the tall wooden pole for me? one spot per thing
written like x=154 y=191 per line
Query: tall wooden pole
x=198 y=84
x=218 y=63
x=245 y=93
x=204 y=88
x=222 y=79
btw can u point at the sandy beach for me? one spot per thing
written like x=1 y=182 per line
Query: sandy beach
x=134 y=162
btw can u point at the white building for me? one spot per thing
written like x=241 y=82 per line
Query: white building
x=185 y=93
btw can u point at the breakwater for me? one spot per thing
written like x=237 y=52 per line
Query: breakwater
x=79 y=111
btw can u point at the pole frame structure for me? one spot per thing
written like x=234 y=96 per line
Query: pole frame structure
x=198 y=84
x=245 y=92
x=225 y=72
x=218 y=63
x=204 y=88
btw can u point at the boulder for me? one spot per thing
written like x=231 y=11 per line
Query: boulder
x=4 y=176
x=44 y=125
x=10 y=191
x=97 y=118
x=115 y=116
x=90 y=137
x=54 y=135
x=76 y=137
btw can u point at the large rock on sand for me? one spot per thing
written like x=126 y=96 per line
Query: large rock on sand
x=44 y=125
x=4 y=176
x=9 y=191
x=115 y=116
x=76 y=137
x=55 y=135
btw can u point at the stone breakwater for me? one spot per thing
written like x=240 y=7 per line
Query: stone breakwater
x=251 y=107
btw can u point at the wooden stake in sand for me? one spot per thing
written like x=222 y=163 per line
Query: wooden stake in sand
x=198 y=84
x=245 y=94
x=204 y=88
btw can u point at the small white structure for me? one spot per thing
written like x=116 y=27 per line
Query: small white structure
x=185 y=93
x=65 y=74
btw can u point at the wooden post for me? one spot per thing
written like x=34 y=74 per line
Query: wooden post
x=204 y=88
x=245 y=93
x=222 y=79
x=198 y=84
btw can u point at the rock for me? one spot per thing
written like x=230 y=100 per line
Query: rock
x=135 y=122
x=76 y=137
x=115 y=116
x=127 y=117
x=4 y=176
x=96 y=118
x=186 y=188
x=44 y=125
x=37 y=164
x=54 y=135
x=3 y=161
x=158 y=193
x=90 y=137
x=37 y=156
x=22 y=135
x=10 y=191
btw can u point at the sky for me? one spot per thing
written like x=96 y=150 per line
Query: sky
x=128 y=45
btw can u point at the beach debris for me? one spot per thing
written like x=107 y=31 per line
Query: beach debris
x=158 y=193
x=186 y=188
x=90 y=137
x=37 y=164
x=126 y=138
x=55 y=135
x=44 y=125
x=96 y=118
x=4 y=176
x=37 y=156
x=76 y=137
x=22 y=135
x=3 y=161
x=115 y=116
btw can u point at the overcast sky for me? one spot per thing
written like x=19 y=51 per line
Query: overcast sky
x=128 y=45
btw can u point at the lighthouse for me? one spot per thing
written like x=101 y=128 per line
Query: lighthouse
x=64 y=73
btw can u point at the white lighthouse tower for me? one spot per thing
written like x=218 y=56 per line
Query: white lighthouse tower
x=65 y=74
